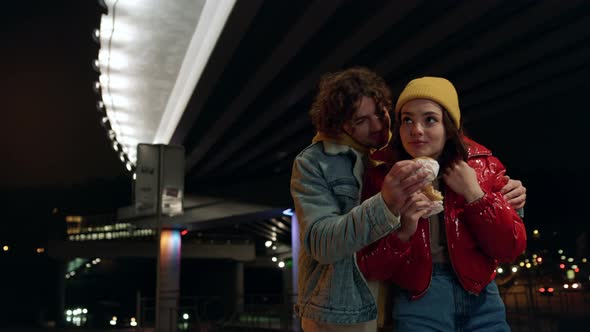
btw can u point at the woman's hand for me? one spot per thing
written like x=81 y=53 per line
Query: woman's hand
x=461 y=178
x=416 y=207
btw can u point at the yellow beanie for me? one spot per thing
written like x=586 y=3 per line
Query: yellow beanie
x=437 y=89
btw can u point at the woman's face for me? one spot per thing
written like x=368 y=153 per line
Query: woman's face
x=421 y=129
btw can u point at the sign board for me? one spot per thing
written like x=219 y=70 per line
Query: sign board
x=159 y=171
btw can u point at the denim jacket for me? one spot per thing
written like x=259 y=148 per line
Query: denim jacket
x=325 y=186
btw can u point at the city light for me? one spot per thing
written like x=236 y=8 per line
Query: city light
x=268 y=244
x=76 y=316
x=5 y=248
x=514 y=269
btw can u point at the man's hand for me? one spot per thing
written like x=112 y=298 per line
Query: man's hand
x=514 y=193
x=404 y=179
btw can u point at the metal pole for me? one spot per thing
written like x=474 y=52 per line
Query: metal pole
x=159 y=235
x=168 y=269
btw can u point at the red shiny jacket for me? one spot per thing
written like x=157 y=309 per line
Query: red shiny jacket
x=479 y=235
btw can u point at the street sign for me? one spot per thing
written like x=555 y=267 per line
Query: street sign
x=159 y=179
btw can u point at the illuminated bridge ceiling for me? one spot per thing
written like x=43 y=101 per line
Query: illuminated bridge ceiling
x=521 y=68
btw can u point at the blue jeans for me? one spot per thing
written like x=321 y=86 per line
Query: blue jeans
x=446 y=306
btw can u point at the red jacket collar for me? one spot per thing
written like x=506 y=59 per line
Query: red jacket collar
x=475 y=149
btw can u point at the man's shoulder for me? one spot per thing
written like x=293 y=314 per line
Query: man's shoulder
x=318 y=156
x=323 y=148
x=314 y=150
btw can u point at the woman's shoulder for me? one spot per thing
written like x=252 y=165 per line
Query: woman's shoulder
x=475 y=149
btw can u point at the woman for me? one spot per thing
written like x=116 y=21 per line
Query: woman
x=445 y=264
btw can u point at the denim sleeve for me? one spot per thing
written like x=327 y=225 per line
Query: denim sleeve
x=329 y=234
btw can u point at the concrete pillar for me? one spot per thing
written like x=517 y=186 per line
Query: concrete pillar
x=168 y=280
x=239 y=279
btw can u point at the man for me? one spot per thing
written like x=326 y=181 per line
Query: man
x=351 y=116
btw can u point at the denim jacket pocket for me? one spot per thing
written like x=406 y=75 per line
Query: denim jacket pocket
x=347 y=195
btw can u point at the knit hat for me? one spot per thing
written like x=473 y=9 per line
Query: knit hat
x=437 y=89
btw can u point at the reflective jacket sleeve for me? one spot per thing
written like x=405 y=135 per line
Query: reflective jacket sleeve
x=383 y=259
x=406 y=264
x=497 y=227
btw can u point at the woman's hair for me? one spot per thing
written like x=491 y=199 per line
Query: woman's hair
x=453 y=150
x=339 y=96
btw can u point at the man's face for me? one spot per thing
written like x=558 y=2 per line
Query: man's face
x=368 y=126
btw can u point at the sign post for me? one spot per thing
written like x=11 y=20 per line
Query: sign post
x=159 y=191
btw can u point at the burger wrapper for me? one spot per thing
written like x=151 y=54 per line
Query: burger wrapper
x=432 y=167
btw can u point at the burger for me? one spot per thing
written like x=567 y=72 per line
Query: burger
x=432 y=167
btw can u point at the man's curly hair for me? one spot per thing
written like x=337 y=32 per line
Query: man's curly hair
x=339 y=96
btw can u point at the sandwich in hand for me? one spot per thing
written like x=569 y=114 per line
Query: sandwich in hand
x=431 y=166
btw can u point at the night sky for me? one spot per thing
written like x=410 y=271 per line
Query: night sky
x=55 y=153
x=50 y=128
x=54 y=145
